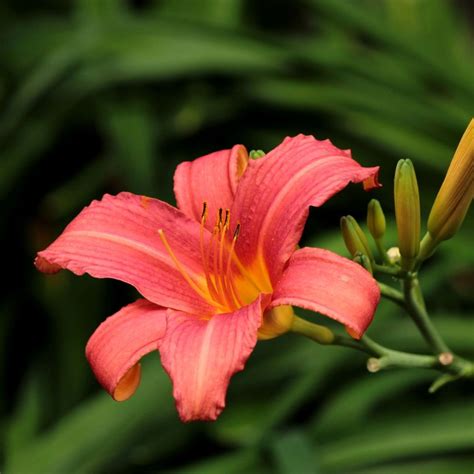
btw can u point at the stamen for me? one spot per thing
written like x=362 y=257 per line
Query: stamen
x=235 y=259
x=236 y=231
x=226 y=219
x=205 y=259
x=228 y=272
x=221 y=273
x=204 y=213
x=215 y=262
x=222 y=286
x=180 y=268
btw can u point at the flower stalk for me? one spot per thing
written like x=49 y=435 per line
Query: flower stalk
x=415 y=307
x=382 y=357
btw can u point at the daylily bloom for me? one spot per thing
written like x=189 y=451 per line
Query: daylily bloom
x=219 y=271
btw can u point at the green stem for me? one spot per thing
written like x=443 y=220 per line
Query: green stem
x=382 y=252
x=381 y=356
x=345 y=341
x=386 y=270
x=323 y=335
x=391 y=294
x=393 y=358
x=415 y=307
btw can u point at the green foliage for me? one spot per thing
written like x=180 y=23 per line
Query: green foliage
x=100 y=96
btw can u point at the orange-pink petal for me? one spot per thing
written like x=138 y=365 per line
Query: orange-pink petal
x=118 y=344
x=322 y=281
x=273 y=198
x=118 y=238
x=212 y=179
x=201 y=356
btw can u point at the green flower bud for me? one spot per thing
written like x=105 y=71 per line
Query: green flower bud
x=375 y=219
x=407 y=211
x=354 y=237
x=256 y=154
x=456 y=192
x=364 y=261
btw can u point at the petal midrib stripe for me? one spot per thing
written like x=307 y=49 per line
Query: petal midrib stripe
x=133 y=244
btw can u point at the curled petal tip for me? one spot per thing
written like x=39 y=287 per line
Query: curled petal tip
x=118 y=344
x=372 y=181
x=128 y=384
x=354 y=333
x=44 y=266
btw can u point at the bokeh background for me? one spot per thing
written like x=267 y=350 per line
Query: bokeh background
x=106 y=95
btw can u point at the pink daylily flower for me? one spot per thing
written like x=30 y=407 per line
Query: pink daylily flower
x=218 y=272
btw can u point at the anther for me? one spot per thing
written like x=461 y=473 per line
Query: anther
x=226 y=219
x=204 y=211
x=236 y=231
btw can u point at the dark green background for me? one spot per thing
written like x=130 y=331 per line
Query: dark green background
x=102 y=96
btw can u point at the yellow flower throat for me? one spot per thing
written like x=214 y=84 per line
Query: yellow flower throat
x=226 y=283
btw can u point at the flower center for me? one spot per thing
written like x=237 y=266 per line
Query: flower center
x=227 y=284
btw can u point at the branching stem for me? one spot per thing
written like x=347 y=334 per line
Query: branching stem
x=415 y=307
x=382 y=357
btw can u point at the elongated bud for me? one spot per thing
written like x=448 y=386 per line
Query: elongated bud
x=375 y=219
x=407 y=211
x=276 y=321
x=456 y=192
x=354 y=237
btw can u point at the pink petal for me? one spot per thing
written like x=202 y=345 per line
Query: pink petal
x=118 y=238
x=120 y=342
x=201 y=356
x=322 y=281
x=274 y=195
x=213 y=179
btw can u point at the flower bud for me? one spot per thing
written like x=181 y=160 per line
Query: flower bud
x=375 y=219
x=364 y=261
x=354 y=237
x=256 y=154
x=456 y=192
x=276 y=321
x=393 y=254
x=407 y=211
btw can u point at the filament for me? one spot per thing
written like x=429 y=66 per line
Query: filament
x=180 y=268
x=205 y=260
x=228 y=272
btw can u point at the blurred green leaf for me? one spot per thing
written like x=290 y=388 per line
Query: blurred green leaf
x=425 y=434
x=24 y=424
x=131 y=131
x=293 y=453
x=93 y=434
